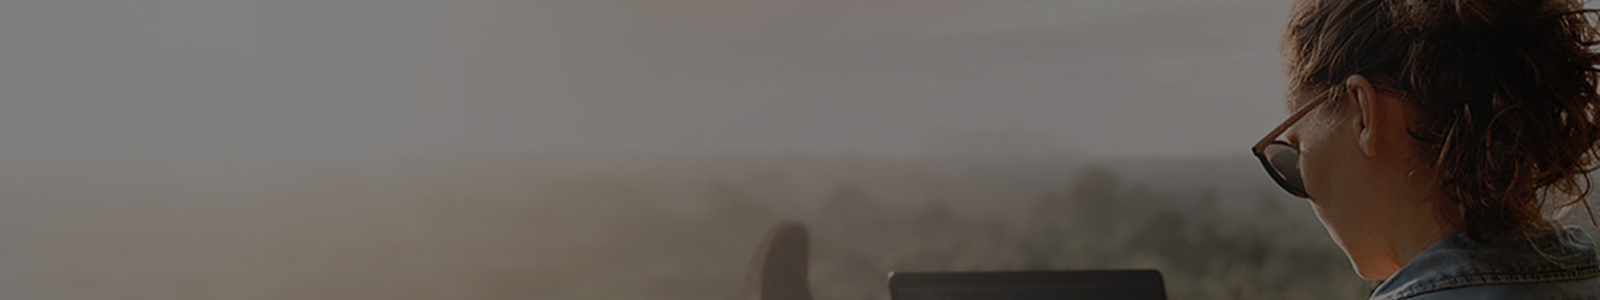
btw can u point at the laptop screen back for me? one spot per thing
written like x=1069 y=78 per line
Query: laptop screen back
x=1071 y=285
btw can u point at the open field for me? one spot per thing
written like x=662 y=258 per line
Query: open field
x=524 y=228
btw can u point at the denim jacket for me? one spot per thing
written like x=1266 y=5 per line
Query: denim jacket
x=1561 y=264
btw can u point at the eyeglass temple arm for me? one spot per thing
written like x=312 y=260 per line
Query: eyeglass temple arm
x=1290 y=122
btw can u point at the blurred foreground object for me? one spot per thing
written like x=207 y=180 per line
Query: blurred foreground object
x=1029 y=285
x=778 y=269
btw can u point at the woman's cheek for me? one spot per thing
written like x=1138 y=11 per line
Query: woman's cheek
x=1319 y=165
x=1311 y=171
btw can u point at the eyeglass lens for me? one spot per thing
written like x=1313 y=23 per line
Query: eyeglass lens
x=1284 y=162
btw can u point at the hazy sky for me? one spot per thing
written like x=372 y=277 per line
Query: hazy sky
x=340 y=79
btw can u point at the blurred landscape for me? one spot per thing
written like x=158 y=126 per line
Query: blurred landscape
x=638 y=149
x=635 y=228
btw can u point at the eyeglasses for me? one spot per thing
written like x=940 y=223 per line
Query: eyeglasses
x=1283 y=160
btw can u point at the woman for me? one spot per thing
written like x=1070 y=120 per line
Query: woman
x=1438 y=140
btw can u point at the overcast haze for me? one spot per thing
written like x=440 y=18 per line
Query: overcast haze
x=638 y=149
x=311 y=80
x=247 y=80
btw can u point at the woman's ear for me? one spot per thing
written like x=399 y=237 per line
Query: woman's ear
x=1364 y=96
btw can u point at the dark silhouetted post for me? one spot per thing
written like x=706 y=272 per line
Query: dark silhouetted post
x=778 y=270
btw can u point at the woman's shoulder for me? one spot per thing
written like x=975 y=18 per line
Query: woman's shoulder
x=1559 y=264
x=1571 y=289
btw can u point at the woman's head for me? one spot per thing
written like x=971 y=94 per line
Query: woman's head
x=1458 y=114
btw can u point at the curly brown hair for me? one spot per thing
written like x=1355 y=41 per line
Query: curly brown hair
x=1504 y=90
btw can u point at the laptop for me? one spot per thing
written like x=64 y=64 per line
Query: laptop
x=1028 y=285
